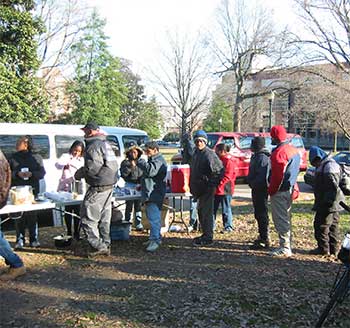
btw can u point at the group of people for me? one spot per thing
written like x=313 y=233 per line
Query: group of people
x=212 y=182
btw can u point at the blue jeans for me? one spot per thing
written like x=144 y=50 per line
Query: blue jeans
x=225 y=202
x=11 y=258
x=193 y=213
x=154 y=217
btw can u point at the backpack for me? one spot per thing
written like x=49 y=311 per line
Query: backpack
x=344 y=182
x=5 y=179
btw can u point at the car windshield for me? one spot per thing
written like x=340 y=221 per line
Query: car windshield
x=212 y=140
x=342 y=157
x=245 y=142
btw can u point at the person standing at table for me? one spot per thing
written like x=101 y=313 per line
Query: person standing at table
x=206 y=172
x=188 y=149
x=27 y=169
x=259 y=168
x=15 y=263
x=132 y=174
x=100 y=171
x=153 y=188
x=69 y=163
x=225 y=189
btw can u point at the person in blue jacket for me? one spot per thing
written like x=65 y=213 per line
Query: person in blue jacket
x=153 y=188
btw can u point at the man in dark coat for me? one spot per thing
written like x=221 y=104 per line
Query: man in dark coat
x=257 y=179
x=100 y=172
x=327 y=198
x=206 y=173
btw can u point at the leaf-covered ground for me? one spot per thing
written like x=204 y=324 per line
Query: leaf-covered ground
x=225 y=285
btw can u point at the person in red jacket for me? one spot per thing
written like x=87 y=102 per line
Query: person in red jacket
x=285 y=164
x=224 y=191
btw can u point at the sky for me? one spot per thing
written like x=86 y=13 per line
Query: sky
x=137 y=27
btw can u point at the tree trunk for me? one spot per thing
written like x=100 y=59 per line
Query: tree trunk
x=237 y=114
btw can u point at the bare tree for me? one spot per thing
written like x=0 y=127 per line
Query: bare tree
x=326 y=36
x=182 y=80
x=246 y=43
x=63 y=21
x=326 y=41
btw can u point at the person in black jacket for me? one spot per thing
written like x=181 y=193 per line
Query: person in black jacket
x=27 y=169
x=100 y=172
x=327 y=197
x=206 y=173
x=132 y=174
x=188 y=149
x=259 y=168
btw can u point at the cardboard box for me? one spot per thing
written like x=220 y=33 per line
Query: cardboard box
x=165 y=219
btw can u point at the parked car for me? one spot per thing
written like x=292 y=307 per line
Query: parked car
x=240 y=147
x=342 y=157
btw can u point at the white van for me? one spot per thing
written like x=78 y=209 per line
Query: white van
x=52 y=140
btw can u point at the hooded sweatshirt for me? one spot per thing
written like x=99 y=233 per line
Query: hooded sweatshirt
x=326 y=187
x=285 y=163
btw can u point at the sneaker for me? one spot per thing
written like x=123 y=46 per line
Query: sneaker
x=152 y=246
x=200 y=241
x=227 y=230
x=281 y=252
x=13 y=273
x=19 y=245
x=35 y=244
x=190 y=228
x=139 y=227
x=318 y=251
x=100 y=252
x=260 y=244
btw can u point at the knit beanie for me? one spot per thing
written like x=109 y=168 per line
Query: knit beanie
x=258 y=143
x=201 y=134
x=278 y=132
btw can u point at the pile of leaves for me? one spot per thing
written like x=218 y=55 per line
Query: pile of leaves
x=224 y=285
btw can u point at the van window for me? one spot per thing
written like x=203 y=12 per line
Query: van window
x=113 y=140
x=41 y=144
x=212 y=140
x=63 y=143
x=245 y=142
x=129 y=141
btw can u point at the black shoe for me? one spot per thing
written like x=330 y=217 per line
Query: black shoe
x=200 y=241
x=318 y=251
x=260 y=244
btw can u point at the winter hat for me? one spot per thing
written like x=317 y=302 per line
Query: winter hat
x=201 y=135
x=139 y=150
x=315 y=152
x=278 y=132
x=258 y=143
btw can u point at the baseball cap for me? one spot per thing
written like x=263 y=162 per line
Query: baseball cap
x=90 y=126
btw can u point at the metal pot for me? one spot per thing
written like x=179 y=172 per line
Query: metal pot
x=62 y=241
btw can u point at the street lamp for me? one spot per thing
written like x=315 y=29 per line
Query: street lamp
x=220 y=122
x=271 y=97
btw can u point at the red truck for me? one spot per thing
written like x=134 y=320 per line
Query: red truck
x=240 y=147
